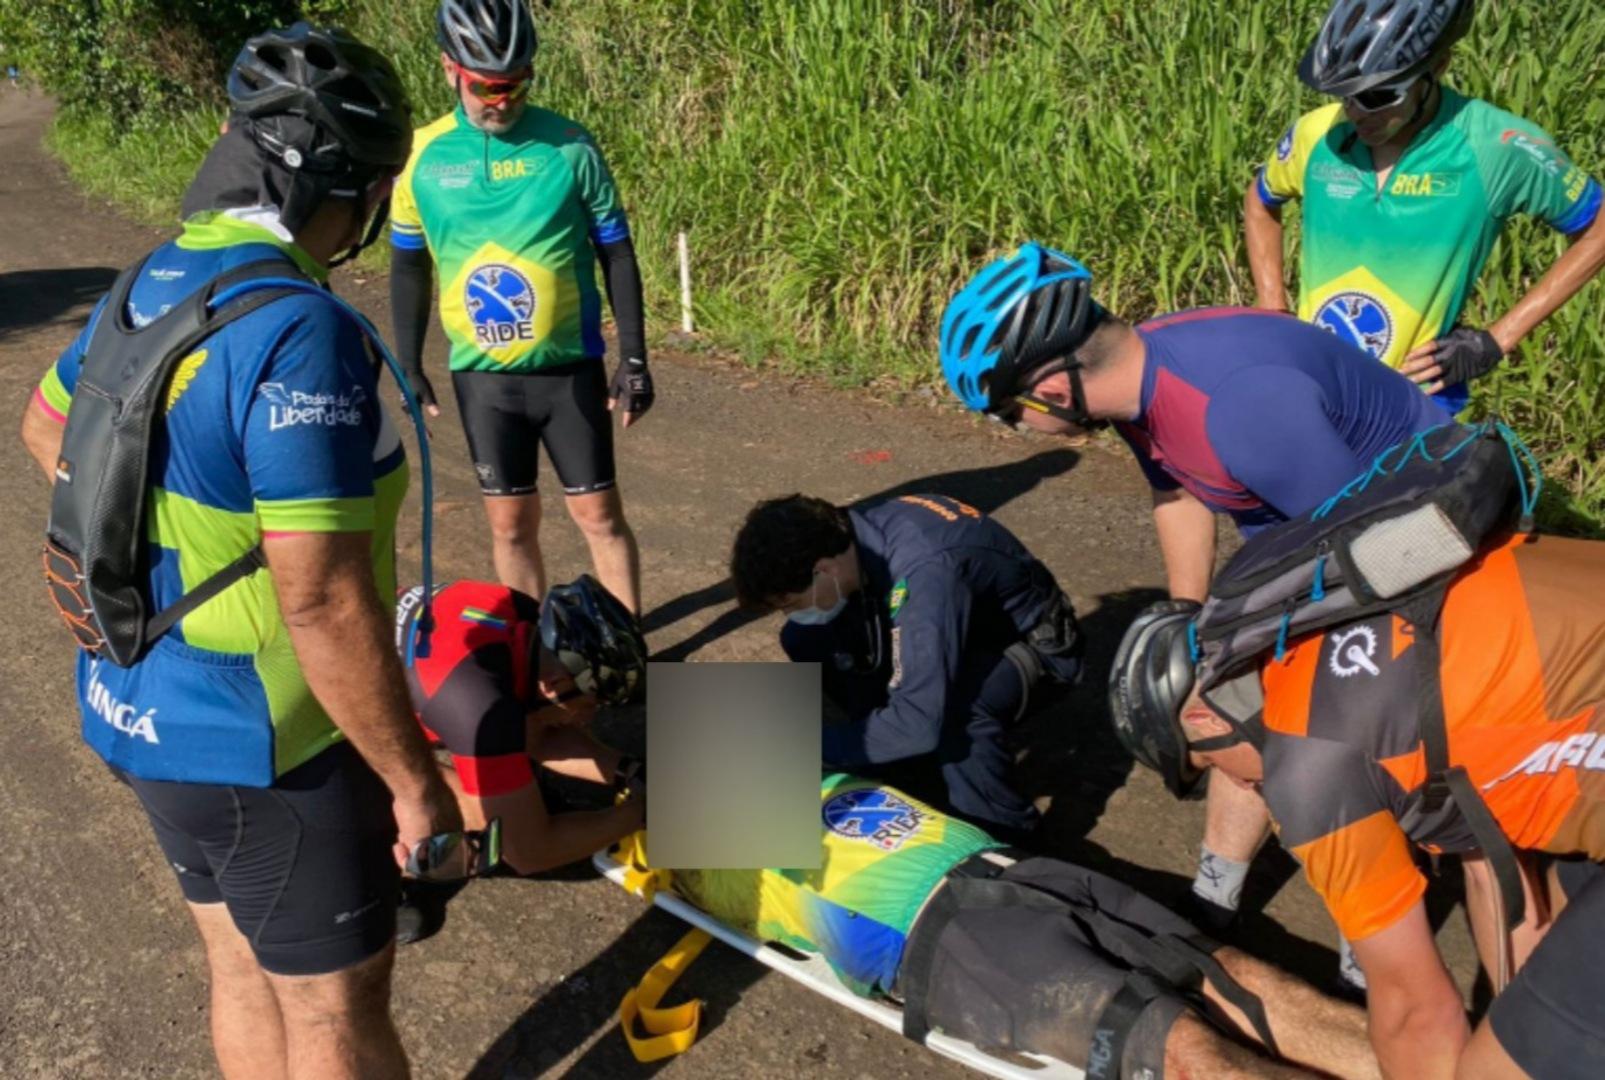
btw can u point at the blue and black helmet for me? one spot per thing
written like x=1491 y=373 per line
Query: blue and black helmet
x=1017 y=321
x=596 y=638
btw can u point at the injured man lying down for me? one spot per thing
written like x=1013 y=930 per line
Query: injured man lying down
x=1017 y=953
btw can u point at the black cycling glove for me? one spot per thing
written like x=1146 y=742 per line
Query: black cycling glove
x=632 y=386
x=1465 y=354
x=421 y=385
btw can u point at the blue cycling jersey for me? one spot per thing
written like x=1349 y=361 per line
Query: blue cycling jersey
x=1262 y=416
x=271 y=426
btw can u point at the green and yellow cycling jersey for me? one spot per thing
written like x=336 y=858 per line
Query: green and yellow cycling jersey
x=885 y=853
x=1390 y=266
x=511 y=220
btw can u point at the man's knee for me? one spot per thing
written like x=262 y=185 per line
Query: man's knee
x=513 y=522
x=600 y=516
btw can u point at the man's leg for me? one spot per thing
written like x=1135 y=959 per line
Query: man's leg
x=503 y=429
x=1197 y=1051
x=1550 y=1020
x=515 y=525
x=1236 y=823
x=247 y=1030
x=600 y=516
x=575 y=754
x=338 y=1025
x=1311 y=1028
x=976 y=761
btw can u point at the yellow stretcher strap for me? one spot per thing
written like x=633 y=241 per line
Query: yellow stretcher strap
x=639 y=877
x=669 y=1031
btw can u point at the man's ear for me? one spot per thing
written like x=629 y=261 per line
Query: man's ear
x=1055 y=388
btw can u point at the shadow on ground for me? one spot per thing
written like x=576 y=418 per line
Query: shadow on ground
x=988 y=489
x=30 y=298
x=572 y=1012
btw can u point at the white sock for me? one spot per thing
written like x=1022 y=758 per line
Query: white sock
x=1348 y=966
x=1220 y=880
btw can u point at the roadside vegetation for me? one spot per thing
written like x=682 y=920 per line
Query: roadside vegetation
x=841 y=166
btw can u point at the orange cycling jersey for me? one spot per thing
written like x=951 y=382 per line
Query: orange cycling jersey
x=1522 y=670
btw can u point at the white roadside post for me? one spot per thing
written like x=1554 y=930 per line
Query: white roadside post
x=685 y=285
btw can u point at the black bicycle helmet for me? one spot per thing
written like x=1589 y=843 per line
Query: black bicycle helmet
x=348 y=92
x=492 y=37
x=595 y=638
x=1149 y=683
x=1368 y=43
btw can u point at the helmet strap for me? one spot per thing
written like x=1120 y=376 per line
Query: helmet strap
x=1219 y=742
x=1077 y=412
x=375 y=227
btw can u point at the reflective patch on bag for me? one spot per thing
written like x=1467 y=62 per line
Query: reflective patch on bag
x=897 y=658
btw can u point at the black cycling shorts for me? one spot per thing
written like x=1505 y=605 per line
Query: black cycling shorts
x=1016 y=968
x=506 y=416
x=305 y=867
x=1551 y=1018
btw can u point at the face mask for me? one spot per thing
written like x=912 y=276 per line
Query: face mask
x=816 y=615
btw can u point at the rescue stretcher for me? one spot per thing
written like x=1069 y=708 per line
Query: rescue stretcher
x=814 y=973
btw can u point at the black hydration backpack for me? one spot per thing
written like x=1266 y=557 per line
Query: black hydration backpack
x=1391 y=540
x=95 y=545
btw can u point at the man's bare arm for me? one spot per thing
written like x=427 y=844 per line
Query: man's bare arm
x=1577 y=266
x=1417 y=1018
x=343 y=640
x=1186 y=541
x=1262 y=232
x=41 y=435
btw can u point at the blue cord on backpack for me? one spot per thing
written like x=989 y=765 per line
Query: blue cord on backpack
x=1318 y=591
x=418 y=641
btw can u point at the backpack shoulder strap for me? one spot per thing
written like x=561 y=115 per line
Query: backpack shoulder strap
x=210 y=322
x=1447 y=783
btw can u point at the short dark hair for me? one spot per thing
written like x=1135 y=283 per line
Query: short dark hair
x=779 y=543
x=1096 y=352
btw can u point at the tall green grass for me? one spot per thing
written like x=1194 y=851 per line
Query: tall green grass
x=842 y=166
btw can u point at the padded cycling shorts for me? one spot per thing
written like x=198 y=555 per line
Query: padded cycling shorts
x=1551 y=1018
x=506 y=416
x=305 y=867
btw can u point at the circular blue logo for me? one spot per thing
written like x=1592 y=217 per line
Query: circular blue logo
x=501 y=304
x=1360 y=319
x=873 y=815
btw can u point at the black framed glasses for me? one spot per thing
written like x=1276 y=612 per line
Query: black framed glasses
x=1379 y=98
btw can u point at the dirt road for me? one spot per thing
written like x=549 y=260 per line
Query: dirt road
x=100 y=970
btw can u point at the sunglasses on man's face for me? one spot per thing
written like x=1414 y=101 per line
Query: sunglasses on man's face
x=1379 y=98
x=495 y=90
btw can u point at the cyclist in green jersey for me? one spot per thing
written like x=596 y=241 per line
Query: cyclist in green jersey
x=515 y=207
x=1406 y=184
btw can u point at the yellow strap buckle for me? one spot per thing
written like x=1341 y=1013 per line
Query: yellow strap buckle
x=639 y=877
x=672 y=1030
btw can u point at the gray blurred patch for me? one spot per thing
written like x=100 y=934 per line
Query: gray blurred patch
x=733 y=756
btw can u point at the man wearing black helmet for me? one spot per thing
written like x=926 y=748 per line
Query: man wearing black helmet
x=1406 y=185
x=933 y=624
x=1332 y=733
x=509 y=684
x=1228 y=410
x=515 y=206
x=268 y=733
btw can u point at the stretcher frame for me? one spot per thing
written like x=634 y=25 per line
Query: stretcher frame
x=815 y=974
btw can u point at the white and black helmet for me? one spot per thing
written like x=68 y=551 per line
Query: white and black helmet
x=1369 y=43
x=492 y=37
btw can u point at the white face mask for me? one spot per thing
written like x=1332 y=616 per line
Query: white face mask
x=816 y=615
